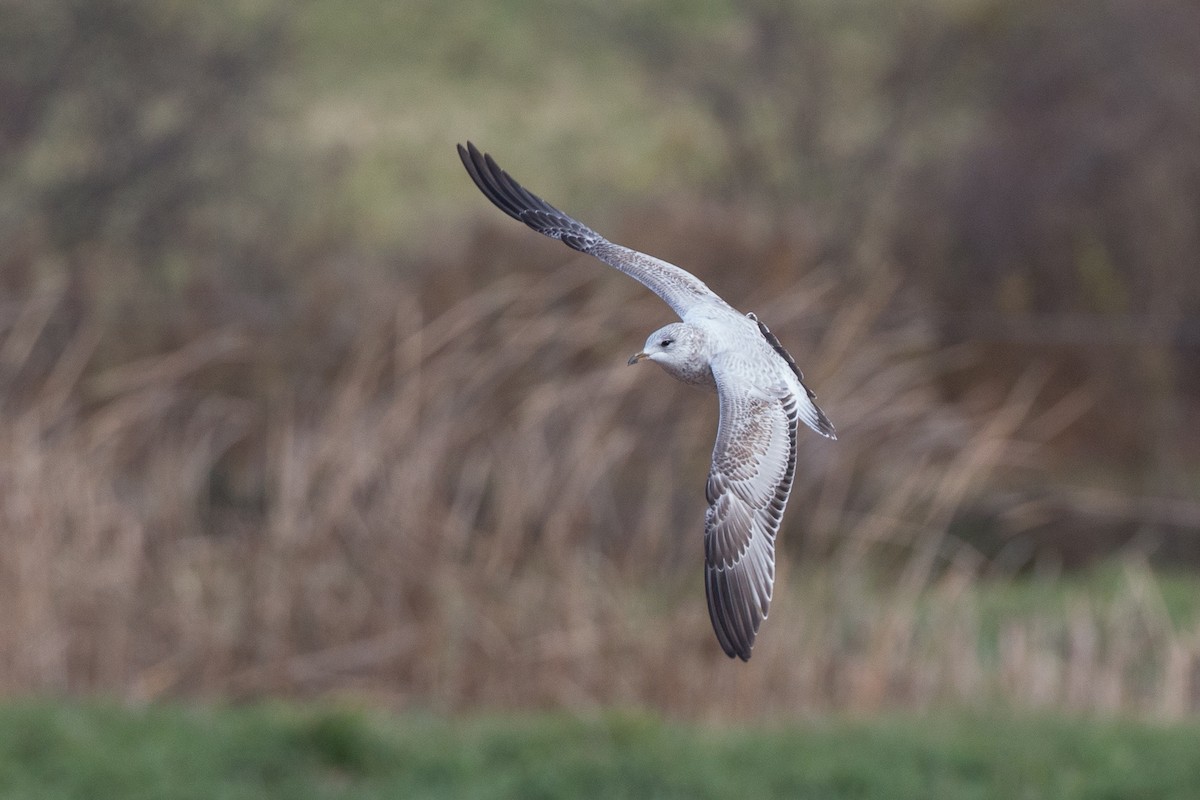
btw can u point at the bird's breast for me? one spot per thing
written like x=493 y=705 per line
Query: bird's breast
x=698 y=374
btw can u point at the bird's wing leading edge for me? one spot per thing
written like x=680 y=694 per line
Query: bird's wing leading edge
x=677 y=287
x=754 y=462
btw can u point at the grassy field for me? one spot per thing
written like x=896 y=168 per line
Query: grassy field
x=57 y=751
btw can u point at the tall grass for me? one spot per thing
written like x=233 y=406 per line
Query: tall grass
x=484 y=507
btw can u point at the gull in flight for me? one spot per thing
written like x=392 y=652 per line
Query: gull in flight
x=762 y=397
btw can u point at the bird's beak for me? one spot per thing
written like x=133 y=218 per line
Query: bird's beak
x=636 y=357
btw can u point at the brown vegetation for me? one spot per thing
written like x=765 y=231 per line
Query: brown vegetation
x=485 y=507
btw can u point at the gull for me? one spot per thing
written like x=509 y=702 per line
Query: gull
x=761 y=393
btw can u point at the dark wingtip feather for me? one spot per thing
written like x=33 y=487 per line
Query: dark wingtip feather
x=521 y=204
x=824 y=426
x=482 y=173
x=716 y=617
x=735 y=632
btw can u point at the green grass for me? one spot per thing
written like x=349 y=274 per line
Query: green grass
x=1174 y=594
x=54 y=750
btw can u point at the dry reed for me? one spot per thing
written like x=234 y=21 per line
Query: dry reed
x=485 y=508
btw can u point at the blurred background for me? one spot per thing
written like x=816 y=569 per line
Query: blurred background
x=290 y=410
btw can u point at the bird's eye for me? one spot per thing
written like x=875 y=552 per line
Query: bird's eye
x=666 y=342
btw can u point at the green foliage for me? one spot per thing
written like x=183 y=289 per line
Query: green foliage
x=56 y=752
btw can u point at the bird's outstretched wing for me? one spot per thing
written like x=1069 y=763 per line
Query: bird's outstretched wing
x=754 y=462
x=680 y=289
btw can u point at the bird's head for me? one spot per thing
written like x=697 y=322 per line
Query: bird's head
x=680 y=349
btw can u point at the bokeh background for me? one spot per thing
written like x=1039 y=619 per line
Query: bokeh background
x=289 y=410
